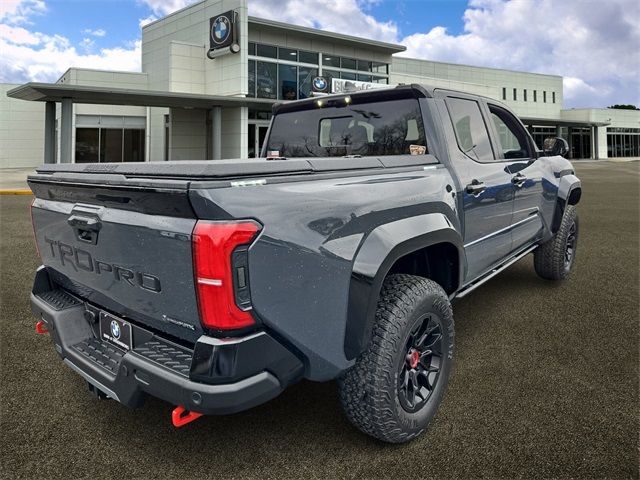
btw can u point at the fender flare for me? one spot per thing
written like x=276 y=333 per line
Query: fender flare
x=570 y=189
x=569 y=193
x=377 y=254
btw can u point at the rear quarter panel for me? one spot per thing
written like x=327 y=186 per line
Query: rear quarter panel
x=302 y=262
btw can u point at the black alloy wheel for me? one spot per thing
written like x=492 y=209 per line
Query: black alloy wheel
x=570 y=247
x=420 y=368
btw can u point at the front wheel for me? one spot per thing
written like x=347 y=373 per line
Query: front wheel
x=395 y=387
x=554 y=259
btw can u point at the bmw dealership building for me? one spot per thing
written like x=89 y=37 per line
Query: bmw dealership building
x=210 y=74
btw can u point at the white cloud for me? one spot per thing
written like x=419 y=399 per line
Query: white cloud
x=100 y=32
x=54 y=55
x=165 y=7
x=344 y=16
x=145 y=21
x=594 y=45
x=34 y=56
x=19 y=35
x=18 y=11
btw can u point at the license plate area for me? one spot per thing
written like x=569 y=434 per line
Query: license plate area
x=115 y=331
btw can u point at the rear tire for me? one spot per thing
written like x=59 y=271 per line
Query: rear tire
x=395 y=387
x=554 y=259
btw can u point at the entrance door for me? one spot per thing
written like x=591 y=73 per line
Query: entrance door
x=255 y=138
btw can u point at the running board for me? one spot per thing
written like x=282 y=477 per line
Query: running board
x=488 y=276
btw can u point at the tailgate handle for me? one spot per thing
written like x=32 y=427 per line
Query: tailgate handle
x=86 y=228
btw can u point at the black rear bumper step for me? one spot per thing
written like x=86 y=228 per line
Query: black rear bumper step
x=100 y=353
x=59 y=299
x=218 y=377
x=169 y=356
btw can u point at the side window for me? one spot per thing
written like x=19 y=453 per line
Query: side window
x=512 y=137
x=470 y=129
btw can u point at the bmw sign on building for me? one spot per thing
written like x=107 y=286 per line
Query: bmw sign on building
x=223 y=35
x=320 y=85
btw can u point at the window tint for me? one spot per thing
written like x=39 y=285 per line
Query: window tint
x=287 y=76
x=252 y=79
x=380 y=128
x=512 y=137
x=266 y=79
x=308 y=57
x=470 y=129
x=305 y=77
x=331 y=61
x=287 y=54
x=87 y=145
x=349 y=63
x=267 y=51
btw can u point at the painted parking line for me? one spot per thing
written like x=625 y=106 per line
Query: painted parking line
x=15 y=191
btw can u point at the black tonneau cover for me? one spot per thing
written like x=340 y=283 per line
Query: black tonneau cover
x=223 y=169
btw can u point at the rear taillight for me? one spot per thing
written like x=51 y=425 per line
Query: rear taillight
x=33 y=227
x=213 y=246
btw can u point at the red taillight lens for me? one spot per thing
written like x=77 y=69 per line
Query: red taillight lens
x=213 y=243
x=33 y=227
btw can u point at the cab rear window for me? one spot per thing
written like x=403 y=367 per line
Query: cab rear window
x=379 y=128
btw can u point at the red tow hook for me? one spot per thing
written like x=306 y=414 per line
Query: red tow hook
x=181 y=416
x=41 y=328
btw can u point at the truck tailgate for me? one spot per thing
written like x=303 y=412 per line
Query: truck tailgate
x=123 y=245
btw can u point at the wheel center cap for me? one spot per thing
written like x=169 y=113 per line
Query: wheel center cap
x=413 y=357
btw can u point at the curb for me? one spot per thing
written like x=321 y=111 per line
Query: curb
x=15 y=191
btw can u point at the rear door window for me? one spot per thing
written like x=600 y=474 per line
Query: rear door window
x=471 y=131
x=392 y=127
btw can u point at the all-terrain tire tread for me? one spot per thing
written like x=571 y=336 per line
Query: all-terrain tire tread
x=548 y=258
x=368 y=389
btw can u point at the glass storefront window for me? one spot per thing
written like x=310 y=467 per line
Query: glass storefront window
x=110 y=145
x=133 y=146
x=87 y=145
x=288 y=54
x=349 y=63
x=364 y=66
x=305 y=77
x=307 y=57
x=364 y=78
x=287 y=80
x=252 y=78
x=266 y=51
x=266 y=80
x=348 y=76
x=97 y=145
x=331 y=61
x=379 y=67
x=251 y=48
x=329 y=75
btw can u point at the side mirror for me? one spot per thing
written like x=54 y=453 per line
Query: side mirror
x=556 y=146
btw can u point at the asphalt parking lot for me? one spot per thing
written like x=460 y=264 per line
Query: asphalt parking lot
x=545 y=384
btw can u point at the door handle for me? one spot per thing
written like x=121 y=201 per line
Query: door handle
x=475 y=188
x=518 y=179
x=85 y=228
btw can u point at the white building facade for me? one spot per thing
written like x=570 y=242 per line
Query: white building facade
x=195 y=101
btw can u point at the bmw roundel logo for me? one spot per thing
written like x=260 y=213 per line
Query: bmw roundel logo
x=320 y=84
x=221 y=29
x=115 y=329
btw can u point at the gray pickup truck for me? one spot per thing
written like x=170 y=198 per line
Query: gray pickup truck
x=215 y=285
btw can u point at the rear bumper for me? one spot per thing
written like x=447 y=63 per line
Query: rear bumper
x=217 y=377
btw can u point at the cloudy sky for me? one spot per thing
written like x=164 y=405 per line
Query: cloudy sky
x=595 y=45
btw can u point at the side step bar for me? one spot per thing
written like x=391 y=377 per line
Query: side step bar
x=488 y=276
